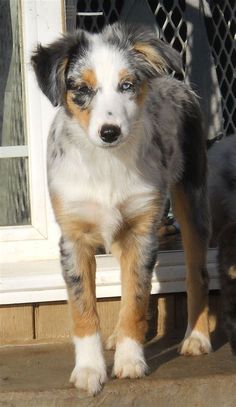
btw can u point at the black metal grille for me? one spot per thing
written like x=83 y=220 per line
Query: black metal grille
x=92 y=15
x=221 y=29
x=171 y=24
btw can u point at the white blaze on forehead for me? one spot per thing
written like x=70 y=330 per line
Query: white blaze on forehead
x=107 y=63
x=109 y=105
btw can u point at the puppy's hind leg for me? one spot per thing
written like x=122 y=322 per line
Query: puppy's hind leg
x=227 y=270
x=191 y=209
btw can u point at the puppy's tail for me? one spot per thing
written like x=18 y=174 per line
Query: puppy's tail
x=227 y=270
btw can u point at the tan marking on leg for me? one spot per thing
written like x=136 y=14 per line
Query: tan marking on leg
x=74 y=228
x=84 y=310
x=195 y=254
x=135 y=298
x=135 y=285
x=86 y=239
x=140 y=223
x=84 y=323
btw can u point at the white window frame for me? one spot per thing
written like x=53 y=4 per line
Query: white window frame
x=29 y=264
x=41 y=22
x=41 y=281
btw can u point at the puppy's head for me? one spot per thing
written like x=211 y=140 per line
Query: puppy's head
x=102 y=80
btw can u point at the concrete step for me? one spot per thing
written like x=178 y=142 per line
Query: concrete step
x=37 y=376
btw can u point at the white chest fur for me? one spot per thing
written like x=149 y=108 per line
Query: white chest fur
x=95 y=183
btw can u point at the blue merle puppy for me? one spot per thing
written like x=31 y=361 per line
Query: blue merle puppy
x=126 y=134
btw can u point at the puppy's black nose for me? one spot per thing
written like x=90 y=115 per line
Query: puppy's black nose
x=110 y=133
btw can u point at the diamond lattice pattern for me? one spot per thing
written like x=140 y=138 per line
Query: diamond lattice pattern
x=221 y=29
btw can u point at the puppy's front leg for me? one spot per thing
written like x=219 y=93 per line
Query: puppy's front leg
x=137 y=260
x=79 y=266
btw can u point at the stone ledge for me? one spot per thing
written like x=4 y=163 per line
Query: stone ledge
x=38 y=376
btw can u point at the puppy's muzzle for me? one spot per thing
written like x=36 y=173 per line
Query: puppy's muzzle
x=110 y=133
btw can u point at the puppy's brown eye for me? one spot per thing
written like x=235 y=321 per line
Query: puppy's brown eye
x=84 y=90
x=83 y=95
x=126 y=86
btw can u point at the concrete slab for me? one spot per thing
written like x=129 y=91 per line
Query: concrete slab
x=37 y=376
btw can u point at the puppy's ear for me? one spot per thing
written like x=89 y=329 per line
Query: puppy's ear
x=155 y=55
x=50 y=64
x=151 y=55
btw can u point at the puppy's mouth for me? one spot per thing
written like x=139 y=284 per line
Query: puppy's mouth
x=98 y=142
x=113 y=144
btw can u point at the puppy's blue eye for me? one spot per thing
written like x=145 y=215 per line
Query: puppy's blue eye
x=126 y=86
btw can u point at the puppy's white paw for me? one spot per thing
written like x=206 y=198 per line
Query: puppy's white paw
x=129 y=360
x=90 y=370
x=195 y=344
x=88 y=379
x=129 y=368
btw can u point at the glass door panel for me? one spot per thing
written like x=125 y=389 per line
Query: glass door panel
x=14 y=185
